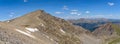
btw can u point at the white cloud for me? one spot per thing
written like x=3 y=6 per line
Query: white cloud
x=91 y=16
x=71 y=17
x=111 y=3
x=74 y=10
x=58 y=12
x=25 y=0
x=79 y=14
x=65 y=8
x=87 y=11
x=75 y=13
x=11 y=14
x=97 y=16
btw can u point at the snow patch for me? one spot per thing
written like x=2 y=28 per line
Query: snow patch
x=28 y=32
x=8 y=21
x=62 y=30
x=46 y=36
x=32 y=29
x=42 y=24
x=25 y=33
x=51 y=39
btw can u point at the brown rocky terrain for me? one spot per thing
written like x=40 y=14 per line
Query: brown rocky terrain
x=105 y=29
x=40 y=27
x=108 y=32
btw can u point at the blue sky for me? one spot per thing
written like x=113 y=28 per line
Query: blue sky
x=67 y=9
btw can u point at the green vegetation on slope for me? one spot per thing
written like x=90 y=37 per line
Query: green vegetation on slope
x=114 y=41
x=117 y=30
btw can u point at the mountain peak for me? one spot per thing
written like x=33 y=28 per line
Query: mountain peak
x=40 y=11
x=33 y=18
x=37 y=12
x=55 y=28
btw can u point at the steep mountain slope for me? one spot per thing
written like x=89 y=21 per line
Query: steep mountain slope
x=117 y=30
x=46 y=29
x=109 y=32
x=39 y=27
x=10 y=34
x=43 y=20
x=105 y=29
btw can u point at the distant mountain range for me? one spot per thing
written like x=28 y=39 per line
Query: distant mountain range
x=39 y=27
x=92 y=24
x=107 y=29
